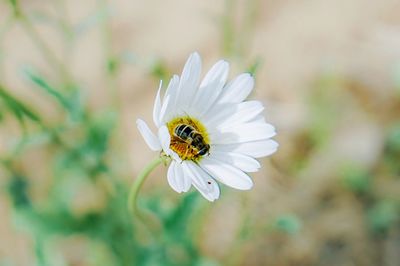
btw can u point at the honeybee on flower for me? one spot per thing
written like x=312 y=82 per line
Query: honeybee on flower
x=208 y=129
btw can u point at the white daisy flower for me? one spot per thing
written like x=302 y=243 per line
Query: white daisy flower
x=209 y=130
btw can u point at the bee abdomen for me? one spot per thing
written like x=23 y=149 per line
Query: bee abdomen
x=183 y=131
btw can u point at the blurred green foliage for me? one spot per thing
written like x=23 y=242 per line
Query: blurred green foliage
x=288 y=223
x=86 y=156
x=382 y=216
x=356 y=179
x=16 y=107
x=81 y=155
x=392 y=149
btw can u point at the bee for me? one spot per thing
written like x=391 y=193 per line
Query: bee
x=194 y=140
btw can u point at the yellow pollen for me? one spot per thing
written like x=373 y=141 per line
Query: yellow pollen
x=185 y=149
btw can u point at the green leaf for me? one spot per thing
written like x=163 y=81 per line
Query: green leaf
x=253 y=68
x=159 y=70
x=392 y=148
x=71 y=102
x=112 y=65
x=356 y=178
x=18 y=191
x=382 y=215
x=42 y=84
x=288 y=223
x=19 y=109
x=1 y=114
x=393 y=140
x=15 y=6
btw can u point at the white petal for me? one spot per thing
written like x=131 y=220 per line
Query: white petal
x=176 y=179
x=238 y=89
x=211 y=195
x=175 y=156
x=186 y=181
x=172 y=87
x=218 y=72
x=172 y=94
x=243 y=162
x=148 y=136
x=165 y=139
x=218 y=113
x=227 y=174
x=210 y=88
x=157 y=107
x=163 y=110
x=246 y=112
x=203 y=182
x=173 y=181
x=258 y=119
x=189 y=81
x=229 y=114
x=242 y=133
x=256 y=149
x=203 y=100
x=189 y=168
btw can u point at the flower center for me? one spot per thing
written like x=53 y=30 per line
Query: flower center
x=189 y=138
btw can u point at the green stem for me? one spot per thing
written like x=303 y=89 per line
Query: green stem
x=136 y=186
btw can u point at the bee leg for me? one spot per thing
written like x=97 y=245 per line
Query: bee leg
x=185 y=156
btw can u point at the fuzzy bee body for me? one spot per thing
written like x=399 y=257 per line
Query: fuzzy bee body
x=191 y=139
